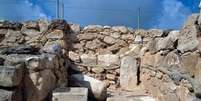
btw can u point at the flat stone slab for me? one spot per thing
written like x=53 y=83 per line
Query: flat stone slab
x=131 y=98
x=70 y=94
x=10 y=95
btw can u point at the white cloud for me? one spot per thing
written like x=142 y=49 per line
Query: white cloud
x=174 y=14
x=20 y=10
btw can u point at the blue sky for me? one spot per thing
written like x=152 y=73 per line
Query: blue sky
x=154 y=13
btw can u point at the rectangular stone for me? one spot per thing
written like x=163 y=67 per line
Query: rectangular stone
x=10 y=95
x=10 y=76
x=70 y=94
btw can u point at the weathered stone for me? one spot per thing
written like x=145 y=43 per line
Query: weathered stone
x=93 y=28
x=10 y=95
x=121 y=29
x=43 y=25
x=98 y=70
x=164 y=44
x=172 y=59
x=115 y=35
x=189 y=62
x=74 y=56
x=75 y=28
x=110 y=77
x=41 y=62
x=88 y=59
x=10 y=25
x=94 y=44
x=138 y=39
x=127 y=37
x=99 y=92
x=155 y=33
x=39 y=84
x=30 y=32
x=188 y=35
x=70 y=94
x=152 y=60
x=129 y=73
x=12 y=38
x=107 y=60
x=59 y=24
x=87 y=36
x=21 y=49
x=173 y=35
x=54 y=47
x=109 y=40
x=11 y=76
x=130 y=98
x=56 y=34
x=31 y=25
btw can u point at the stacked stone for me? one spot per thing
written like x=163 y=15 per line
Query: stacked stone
x=170 y=68
x=162 y=63
x=97 y=50
x=30 y=67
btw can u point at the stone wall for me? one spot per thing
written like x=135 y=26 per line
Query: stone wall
x=32 y=59
x=161 y=63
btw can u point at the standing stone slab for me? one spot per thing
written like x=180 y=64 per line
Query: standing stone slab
x=128 y=73
x=10 y=76
x=70 y=94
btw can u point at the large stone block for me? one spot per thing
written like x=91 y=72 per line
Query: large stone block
x=10 y=95
x=70 y=94
x=10 y=76
x=129 y=73
x=97 y=89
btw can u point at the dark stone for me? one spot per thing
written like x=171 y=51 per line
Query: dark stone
x=60 y=24
x=22 y=49
x=32 y=25
x=10 y=25
x=176 y=77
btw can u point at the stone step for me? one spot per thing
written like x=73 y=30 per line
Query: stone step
x=131 y=98
x=70 y=94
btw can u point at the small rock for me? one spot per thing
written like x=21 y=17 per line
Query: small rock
x=138 y=39
x=156 y=32
x=93 y=28
x=110 y=76
x=121 y=29
x=89 y=59
x=74 y=56
x=98 y=70
x=109 y=40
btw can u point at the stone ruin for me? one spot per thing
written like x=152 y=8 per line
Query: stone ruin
x=56 y=61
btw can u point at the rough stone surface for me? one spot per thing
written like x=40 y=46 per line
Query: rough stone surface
x=129 y=73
